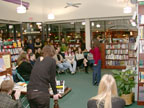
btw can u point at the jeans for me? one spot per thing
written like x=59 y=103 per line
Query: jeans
x=97 y=73
x=72 y=67
x=63 y=66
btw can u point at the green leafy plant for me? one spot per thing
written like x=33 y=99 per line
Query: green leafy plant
x=125 y=80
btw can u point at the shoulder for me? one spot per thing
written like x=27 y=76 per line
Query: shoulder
x=117 y=101
x=92 y=103
x=49 y=59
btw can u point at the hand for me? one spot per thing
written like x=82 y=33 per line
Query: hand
x=56 y=96
x=17 y=94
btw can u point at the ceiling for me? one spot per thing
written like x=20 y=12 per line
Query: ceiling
x=39 y=10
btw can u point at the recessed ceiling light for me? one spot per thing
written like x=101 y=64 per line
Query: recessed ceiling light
x=51 y=16
x=98 y=25
x=127 y=9
x=21 y=9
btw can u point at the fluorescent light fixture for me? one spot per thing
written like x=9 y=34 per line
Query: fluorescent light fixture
x=127 y=9
x=98 y=25
x=49 y=29
x=38 y=23
x=51 y=16
x=92 y=24
x=21 y=9
x=10 y=26
x=83 y=23
x=133 y=23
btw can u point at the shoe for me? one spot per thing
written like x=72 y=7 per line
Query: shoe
x=72 y=73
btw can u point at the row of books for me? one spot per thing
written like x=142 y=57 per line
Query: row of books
x=116 y=63
x=118 y=46
x=141 y=75
x=14 y=58
x=117 y=51
x=132 y=62
x=141 y=63
x=141 y=46
x=117 y=57
x=12 y=51
x=132 y=54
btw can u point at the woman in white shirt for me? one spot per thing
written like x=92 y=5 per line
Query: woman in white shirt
x=81 y=60
x=70 y=58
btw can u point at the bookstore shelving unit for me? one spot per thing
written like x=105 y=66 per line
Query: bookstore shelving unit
x=116 y=55
x=140 y=16
x=14 y=48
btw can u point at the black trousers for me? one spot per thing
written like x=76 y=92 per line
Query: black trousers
x=38 y=99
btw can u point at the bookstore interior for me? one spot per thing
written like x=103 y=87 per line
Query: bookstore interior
x=120 y=33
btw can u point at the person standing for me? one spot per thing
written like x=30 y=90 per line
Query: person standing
x=97 y=61
x=42 y=76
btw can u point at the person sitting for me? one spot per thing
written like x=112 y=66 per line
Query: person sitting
x=70 y=58
x=32 y=59
x=107 y=95
x=24 y=67
x=29 y=51
x=62 y=65
x=81 y=60
x=38 y=53
x=6 y=100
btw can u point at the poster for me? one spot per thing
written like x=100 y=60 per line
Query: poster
x=2 y=65
x=7 y=61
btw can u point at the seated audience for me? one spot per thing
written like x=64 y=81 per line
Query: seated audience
x=6 y=100
x=70 y=58
x=107 y=95
x=32 y=59
x=38 y=53
x=81 y=60
x=29 y=51
x=37 y=44
x=62 y=65
x=24 y=67
x=30 y=45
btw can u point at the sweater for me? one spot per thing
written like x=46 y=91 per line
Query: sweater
x=96 y=54
x=43 y=74
x=6 y=101
x=116 y=103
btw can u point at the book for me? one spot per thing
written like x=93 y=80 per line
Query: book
x=2 y=65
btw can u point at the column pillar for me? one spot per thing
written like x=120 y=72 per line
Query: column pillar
x=87 y=34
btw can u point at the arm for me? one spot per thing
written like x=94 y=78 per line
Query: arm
x=52 y=77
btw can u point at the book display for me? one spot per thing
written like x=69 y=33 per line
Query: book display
x=14 y=47
x=119 y=55
x=140 y=97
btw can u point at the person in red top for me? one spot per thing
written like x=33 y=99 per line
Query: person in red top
x=97 y=61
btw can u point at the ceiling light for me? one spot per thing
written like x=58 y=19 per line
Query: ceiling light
x=92 y=24
x=127 y=9
x=21 y=9
x=51 y=16
x=98 y=25
x=49 y=29
x=38 y=23
x=83 y=23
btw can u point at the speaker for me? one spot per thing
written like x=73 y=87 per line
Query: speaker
x=133 y=1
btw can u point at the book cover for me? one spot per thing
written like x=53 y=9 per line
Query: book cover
x=2 y=65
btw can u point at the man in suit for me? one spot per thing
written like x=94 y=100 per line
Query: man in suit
x=6 y=100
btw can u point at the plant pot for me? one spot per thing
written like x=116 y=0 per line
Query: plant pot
x=128 y=98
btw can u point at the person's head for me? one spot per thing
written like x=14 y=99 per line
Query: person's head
x=95 y=43
x=30 y=41
x=32 y=57
x=63 y=40
x=7 y=86
x=37 y=40
x=21 y=58
x=48 y=50
x=107 y=89
x=79 y=50
x=69 y=50
x=29 y=51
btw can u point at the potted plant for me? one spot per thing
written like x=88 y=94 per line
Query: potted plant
x=125 y=82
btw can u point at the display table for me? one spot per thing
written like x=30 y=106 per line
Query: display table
x=24 y=92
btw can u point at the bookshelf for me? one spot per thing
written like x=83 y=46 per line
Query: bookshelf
x=140 y=90
x=116 y=55
x=14 y=48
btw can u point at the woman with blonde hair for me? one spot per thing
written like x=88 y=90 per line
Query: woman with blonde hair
x=107 y=95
